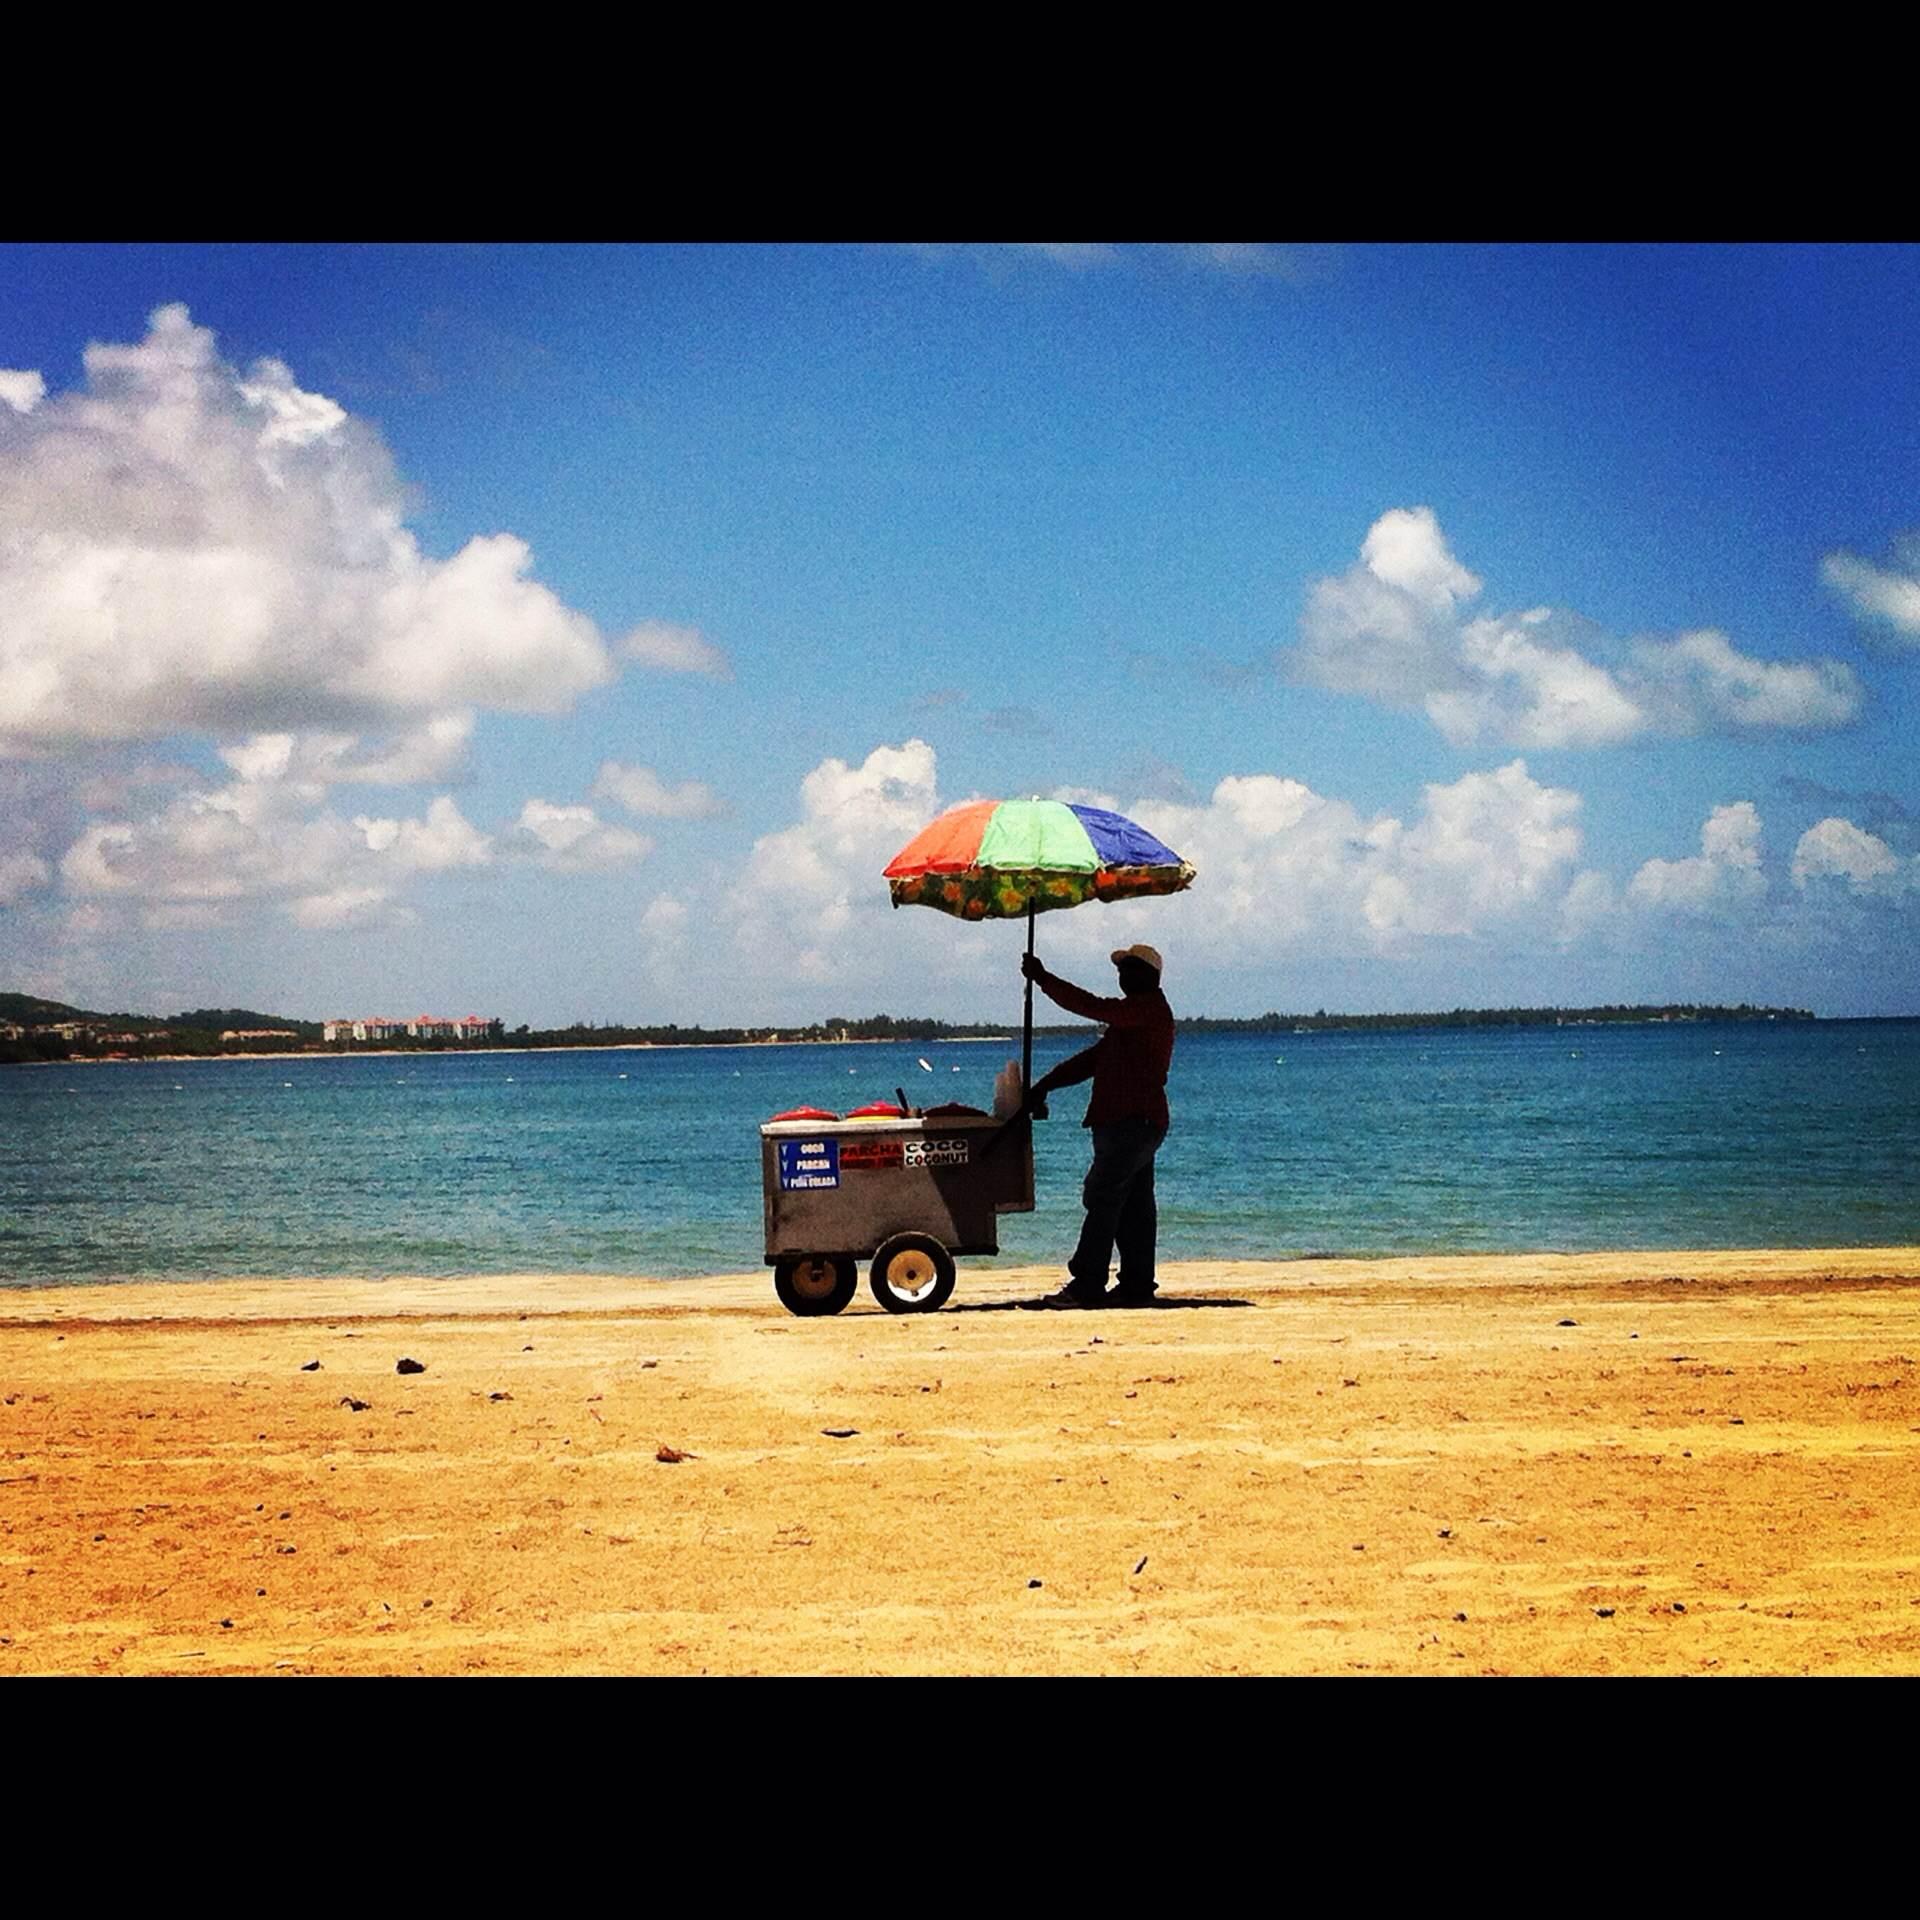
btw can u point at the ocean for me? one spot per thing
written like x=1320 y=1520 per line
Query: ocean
x=1435 y=1140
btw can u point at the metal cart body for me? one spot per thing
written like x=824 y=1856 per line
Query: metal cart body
x=907 y=1194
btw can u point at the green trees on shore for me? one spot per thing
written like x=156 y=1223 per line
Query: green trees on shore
x=38 y=1030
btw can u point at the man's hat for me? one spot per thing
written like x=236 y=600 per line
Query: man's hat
x=1147 y=956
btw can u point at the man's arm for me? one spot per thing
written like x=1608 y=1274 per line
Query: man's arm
x=1075 y=1068
x=1118 y=1012
x=1070 y=1072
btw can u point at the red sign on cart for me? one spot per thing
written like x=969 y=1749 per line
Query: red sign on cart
x=868 y=1156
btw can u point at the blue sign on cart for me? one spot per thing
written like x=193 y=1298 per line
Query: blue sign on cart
x=809 y=1163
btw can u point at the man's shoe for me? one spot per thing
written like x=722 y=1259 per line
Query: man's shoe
x=1131 y=1297
x=1066 y=1299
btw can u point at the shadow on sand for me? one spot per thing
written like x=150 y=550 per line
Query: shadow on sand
x=1159 y=1306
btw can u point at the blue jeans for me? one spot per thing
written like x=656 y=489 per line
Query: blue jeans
x=1118 y=1196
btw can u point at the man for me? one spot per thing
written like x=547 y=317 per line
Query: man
x=1128 y=1117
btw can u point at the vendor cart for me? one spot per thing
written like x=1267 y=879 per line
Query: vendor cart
x=908 y=1194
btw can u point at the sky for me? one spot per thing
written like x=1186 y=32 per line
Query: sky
x=573 y=633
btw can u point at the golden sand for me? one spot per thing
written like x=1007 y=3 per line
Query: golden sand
x=1643 y=1463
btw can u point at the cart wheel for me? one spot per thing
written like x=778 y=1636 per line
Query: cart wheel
x=912 y=1273
x=816 y=1283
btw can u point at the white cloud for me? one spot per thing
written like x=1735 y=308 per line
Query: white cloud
x=1532 y=692
x=1392 y=629
x=1589 y=907
x=186 y=548
x=343 y=907
x=572 y=839
x=433 y=750
x=266 y=836
x=665 y=917
x=1837 y=849
x=803 y=884
x=20 y=873
x=1485 y=845
x=671 y=649
x=646 y=796
x=1284 y=873
x=1889 y=595
x=1284 y=870
x=444 y=839
x=1722 y=879
x=1705 y=681
x=21 y=389
x=1386 y=629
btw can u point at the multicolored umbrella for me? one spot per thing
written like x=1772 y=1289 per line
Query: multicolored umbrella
x=1009 y=859
x=1004 y=859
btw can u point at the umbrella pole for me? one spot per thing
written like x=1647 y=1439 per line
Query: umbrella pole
x=1026 y=1034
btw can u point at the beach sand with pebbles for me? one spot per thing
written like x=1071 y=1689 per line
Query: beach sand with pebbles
x=1642 y=1463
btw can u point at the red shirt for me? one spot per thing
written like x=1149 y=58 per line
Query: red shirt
x=1131 y=1059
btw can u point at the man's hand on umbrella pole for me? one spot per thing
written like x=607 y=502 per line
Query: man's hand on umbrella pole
x=1031 y=967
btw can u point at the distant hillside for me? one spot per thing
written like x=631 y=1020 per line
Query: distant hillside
x=136 y=1035
x=22 y=1009
x=239 y=1019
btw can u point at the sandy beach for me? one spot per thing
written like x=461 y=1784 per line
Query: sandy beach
x=1582 y=1464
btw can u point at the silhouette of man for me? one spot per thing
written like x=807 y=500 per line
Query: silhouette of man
x=1127 y=1114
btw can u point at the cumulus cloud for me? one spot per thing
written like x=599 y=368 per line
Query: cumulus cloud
x=647 y=797
x=1886 y=596
x=1722 y=879
x=1283 y=868
x=1395 y=629
x=22 y=390
x=1701 y=680
x=671 y=649
x=1835 y=849
x=665 y=917
x=572 y=839
x=803 y=883
x=444 y=838
x=314 y=761
x=266 y=836
x=186 y=547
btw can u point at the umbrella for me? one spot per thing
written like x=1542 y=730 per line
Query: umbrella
x=1004 y=859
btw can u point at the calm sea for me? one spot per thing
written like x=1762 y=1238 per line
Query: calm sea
x=648 y=1162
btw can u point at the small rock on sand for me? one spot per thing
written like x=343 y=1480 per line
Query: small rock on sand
x=409 y=1366
x=312 y=1366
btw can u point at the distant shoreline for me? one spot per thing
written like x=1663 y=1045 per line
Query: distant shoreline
x=440 y=1053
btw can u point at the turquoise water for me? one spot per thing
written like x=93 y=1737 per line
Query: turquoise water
x=648 y=1162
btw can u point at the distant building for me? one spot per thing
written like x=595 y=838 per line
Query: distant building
x=423 y=1026
x=259 y=1033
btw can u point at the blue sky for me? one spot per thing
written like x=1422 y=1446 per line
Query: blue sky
x=574 y=632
